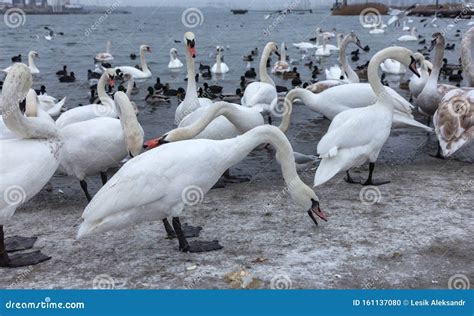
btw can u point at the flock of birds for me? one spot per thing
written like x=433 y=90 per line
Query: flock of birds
x=213 y=135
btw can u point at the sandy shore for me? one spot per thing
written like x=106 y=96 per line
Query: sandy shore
x=417 y=234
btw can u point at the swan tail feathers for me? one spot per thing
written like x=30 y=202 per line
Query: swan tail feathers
x=328 y=168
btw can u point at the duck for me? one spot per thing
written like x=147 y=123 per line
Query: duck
x=62 y=72
x=191 y=101
x=291 y=74
x=123 y=136
x=206 y=74
x=29 y=161
x=91 y=75
x=104 y=213
x=31 y=63
x=204 y=68
x=16 y=59
x=213 y=89
x=68 y=78
x=133 y=56
x=296 y=81
x=232 y=98
x=456 y=77
x=107 y=56
x=450 y=47
x=138 y=74
x=219 y=67
x=174 y=61
x=251 y=73
x=372 y=124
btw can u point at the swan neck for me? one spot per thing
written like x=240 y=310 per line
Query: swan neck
x=437 y=64
x=283 y=53
x=129 y=88
x=105 y=99
x=466 y=57
x=264 y=77
x=305 y=96
x=143 y=61
x=191 y=91
x=31 y=61
x=373 y=74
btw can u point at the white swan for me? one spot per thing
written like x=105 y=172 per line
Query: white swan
x=31 y=63
x=174 y=61
x=377 y=29
x=454 y=120
x=96 y=145
x=417 y=84
x=339 y=148
x=391 y=66
x=191 y=101
x=409 y=38
x=346 y=73
x=138 y=74
x=87 y=112
x=27 y=162
x=281 y=65
x=181 y=169
x=324 y=50
x=219 y=67
x=262 y=94
x=466 y=56
x=331 y=103
x=107 y=56
x=432 y=93
x=405 y=26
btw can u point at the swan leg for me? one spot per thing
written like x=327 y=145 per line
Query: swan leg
x=370 y=181
x=188 y=230
x=438 y=153
x=350 y=179
x=84 y=188
x=195 y=246
x=228 y=178
x=18 y=260
x=18 y=243
x=103 y=177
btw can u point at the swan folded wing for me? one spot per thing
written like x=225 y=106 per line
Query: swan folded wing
x=121 y=193
x=259 y=92
x=404 y=120
x=342 y=135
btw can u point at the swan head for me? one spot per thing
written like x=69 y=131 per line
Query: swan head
x=354 y=39
x=173 y=52
x=306 y=198
x=17 y=84
x=113 y=74
x=437 y=40
x=33 y=54
x=190 y=42
x=145 y=48
x=272 y=47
